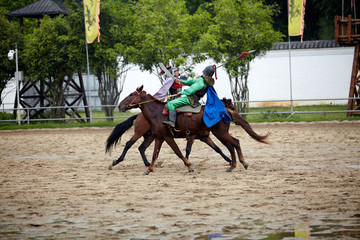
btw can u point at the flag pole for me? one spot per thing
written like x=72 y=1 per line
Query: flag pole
x=291 y=97
x=87 y=62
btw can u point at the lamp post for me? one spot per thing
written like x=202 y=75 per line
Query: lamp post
x=11 y=57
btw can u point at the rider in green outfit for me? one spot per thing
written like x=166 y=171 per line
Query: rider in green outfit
x=198 y=88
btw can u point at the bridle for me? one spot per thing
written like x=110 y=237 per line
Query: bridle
x=130 y=105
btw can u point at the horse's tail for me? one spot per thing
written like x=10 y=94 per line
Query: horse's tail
x=238 y=120
x=118 y=131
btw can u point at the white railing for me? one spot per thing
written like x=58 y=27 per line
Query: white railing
x=291 y=112
x=26 y=111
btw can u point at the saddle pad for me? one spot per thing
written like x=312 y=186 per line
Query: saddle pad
x=189 y=108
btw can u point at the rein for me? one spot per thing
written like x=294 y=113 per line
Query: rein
x=131 y=103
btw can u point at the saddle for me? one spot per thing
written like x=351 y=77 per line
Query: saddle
x=188 y=110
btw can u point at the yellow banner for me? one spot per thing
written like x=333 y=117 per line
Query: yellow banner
x=92 y=27
x=295 y=17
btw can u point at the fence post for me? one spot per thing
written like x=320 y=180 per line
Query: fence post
x=91 y=117
x=28 y=115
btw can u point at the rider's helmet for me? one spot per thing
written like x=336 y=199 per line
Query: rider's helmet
x=209 y=71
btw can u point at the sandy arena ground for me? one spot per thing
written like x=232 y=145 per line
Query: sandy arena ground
x=55 y=184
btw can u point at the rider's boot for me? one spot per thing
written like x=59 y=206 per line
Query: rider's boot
x=172 y=119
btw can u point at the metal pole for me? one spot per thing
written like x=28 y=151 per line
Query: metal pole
x=88 y=73
x=91 y=116
x=291 y=98
x=87 y=60
x=17 y=86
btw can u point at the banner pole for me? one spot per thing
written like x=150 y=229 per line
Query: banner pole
x=87 y=62
x=291 y=97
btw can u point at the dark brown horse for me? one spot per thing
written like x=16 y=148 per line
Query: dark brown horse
x=152 y=111
x=142 y=129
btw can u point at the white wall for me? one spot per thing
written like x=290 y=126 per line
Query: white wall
x=316 y=74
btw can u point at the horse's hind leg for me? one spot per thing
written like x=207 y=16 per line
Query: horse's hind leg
x=227 y=140
x=177 y=151
x=141 y=128
x=239 y=152
x=210 y=142
x=231 y=149
x=148 y=139
x=189 y=144
x=126 y=148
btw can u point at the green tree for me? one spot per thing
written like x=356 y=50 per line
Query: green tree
x=8 y=39
x=48 y=60
x=162 y=33
x=236 y=27
x=193 y=5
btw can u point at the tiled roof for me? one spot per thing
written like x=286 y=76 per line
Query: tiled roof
x=305 y=45
x=40 y=8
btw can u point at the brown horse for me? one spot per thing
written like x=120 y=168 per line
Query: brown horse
x=152 y=111
x=142 y=129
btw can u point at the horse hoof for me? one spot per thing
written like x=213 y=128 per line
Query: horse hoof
x=145 y=173
x=228 y=170
x=114 y=163
x=110 y=167
x=246 y=166
x=191 y=170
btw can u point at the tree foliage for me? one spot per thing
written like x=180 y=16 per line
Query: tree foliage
x=48 y=59
x=162 y=33
x=236 y=27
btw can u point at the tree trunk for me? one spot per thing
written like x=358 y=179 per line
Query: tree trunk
x=111 y=83
x=57 y=98
x=239 y=88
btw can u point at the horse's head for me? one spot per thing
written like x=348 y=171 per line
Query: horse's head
x=133 y=100
x=228 y=103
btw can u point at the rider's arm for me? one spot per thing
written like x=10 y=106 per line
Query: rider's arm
x=195 y=85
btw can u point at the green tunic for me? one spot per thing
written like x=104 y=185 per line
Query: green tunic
x=195 y=84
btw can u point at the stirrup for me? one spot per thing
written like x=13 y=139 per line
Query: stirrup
x=172 y=130
x=169 y=124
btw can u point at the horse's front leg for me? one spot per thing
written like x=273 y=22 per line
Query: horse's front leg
x=177 y=151
x=158 y=143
